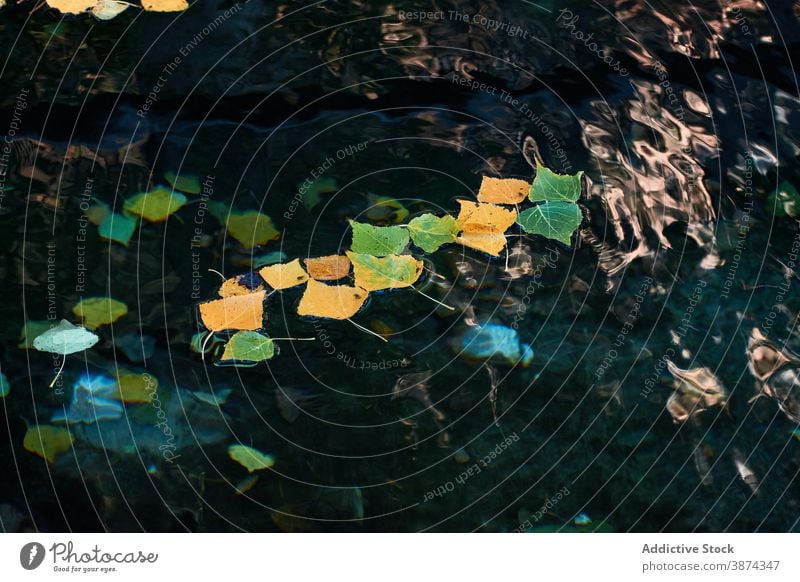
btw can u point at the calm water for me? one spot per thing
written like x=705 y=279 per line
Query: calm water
x=684 y=117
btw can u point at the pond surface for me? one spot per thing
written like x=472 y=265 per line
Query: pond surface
x=662 y=394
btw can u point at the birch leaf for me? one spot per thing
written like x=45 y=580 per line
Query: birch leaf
x=486 y=218
x=378 y=241
x=330 y=268
x=332 y=301
x=250 y=458
x=242 y=312
x=47 y=441
x=392 y=272
x=65 y=339
x=97 y=311
x=284 y=275
x=554 y=220
x=155 y=205
x=248 y=346
x=503 y=190
x=429 y=232
x=549 y=186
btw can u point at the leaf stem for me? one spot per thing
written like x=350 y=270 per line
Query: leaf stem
x=64 y=361
x=369 y=331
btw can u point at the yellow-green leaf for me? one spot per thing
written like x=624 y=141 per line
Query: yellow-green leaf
x=97 y=311
x=47 y=441
x=250 y=458
x=155 y=205
x=251 y=228
x=392 y=272
x=189 y=183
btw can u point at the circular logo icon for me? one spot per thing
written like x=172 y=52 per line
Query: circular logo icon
x=31 y=555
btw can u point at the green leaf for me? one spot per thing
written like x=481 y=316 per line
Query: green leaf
x=189 y=183
x=554 y=220
x=117 y=227
x=784 y=201
x=429 y=232
x=377 y=273
x=248 y=346
x=311 y=191
x=250 y=458
x=378 y=241
x=549 y=186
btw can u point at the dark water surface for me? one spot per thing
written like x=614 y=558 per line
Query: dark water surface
x=684 y=117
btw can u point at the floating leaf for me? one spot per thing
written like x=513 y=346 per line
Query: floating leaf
x=385 y=210
x=549 y=186
x=311 y=193
x=429 y=232
x=491 y=341
x=241 y=285
x=71 y=6
x=189 y=183
x=65 y=339
x=47 y=441
x=489 y=243
x=251 y=228
x=333 y=301
x=503 y=190
x=117 y=227
x=240 y=312
x=30 y=330
x=135 y=387
x=330 y=268
x=486 y=218
x=165 y=5
x=98 y=213
x=284 y=275
x=108 y=9
x=250 y=458
x=392 y=272
x=554 y=220
x=97 y=311
x=378 y=241
x=155 y=205
x=248 y=346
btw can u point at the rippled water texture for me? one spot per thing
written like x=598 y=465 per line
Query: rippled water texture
x=663 y=392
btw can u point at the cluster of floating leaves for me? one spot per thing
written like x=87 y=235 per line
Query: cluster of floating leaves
x=108 y=9
x=380 y=261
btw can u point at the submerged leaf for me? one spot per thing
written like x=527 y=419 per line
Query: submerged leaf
x=378 y=241
x=98 y=213
x=30 y=331
x=5 y=385
x=385 y=210
x=189 y=183
x=65 y=339
x=117 y=227
x=97 y=311
x=250 y=458
x=311 y=193
x=248 y=346
x=429 y=232
x=134 y=387
x=392 y=272
x=47 y=441
x=554 y=220
x=242 y=312
x=491 y=341
x=330 y=268
x=155 y=205
x=485 y=218
x=549 y=186
x=251 y=228
x=284 y=275
x=332 y=301
x=503 y=190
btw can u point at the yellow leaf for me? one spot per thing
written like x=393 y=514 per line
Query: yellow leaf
x=97 y=311
x=233 y=287
x=251 y=228
x=250 y=458
x=333 y=301
x=503 y=190
x=134 y=388
x=284 y=275
x=47 y=441
x=71 y=6
x=242 y=312
x=489 y=243
x=330 y=268
x=390 y=272
x=486 y=218
x=155 y=205
x=165 y=5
